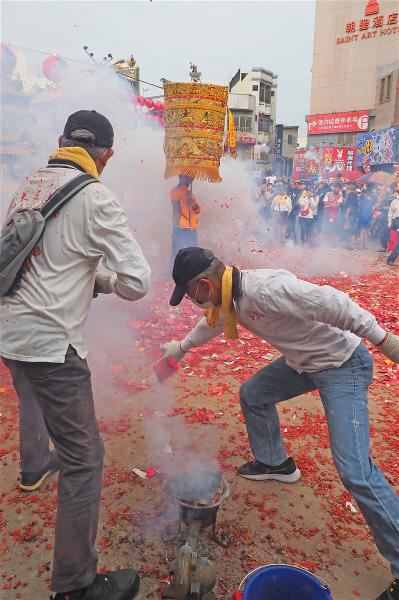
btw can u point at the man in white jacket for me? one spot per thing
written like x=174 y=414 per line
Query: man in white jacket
x=318 y=330
x=281 y=207
x=41 y=322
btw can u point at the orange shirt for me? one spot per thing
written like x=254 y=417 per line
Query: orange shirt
x=186 y=208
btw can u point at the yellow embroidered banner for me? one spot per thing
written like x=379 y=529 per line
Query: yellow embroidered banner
x=230 y=144
x=194 y=126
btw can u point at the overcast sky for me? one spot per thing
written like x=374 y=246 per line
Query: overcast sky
x=165 y=36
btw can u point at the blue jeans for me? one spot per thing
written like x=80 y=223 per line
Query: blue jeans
x=343 y=392
x=183 y=238
x=394 y=254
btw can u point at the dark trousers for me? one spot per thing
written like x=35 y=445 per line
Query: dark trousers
x=306 y=226
x=56 y=400
x=291 y=226
x=394 y=254
x=183 y=238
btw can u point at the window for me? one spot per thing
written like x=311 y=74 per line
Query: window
x=243 y=76
x=385 y=88
x=264 y=93
x=389 y=87
x=382 y=90
x=255 y=88
x=243 y=123
x=290 y=140
x=264 y=123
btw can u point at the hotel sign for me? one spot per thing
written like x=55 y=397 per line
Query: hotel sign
x=343 y=122
x=371 y=26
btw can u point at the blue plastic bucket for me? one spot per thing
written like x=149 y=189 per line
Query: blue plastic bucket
x=284 y=582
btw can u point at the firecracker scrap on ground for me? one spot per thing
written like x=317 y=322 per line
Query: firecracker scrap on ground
x=314 y=523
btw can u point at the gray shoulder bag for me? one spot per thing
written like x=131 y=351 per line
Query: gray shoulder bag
x=25 y=228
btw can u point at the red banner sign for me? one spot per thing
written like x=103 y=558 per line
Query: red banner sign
x=244 y=138
x=336 y=158
x=356 y=120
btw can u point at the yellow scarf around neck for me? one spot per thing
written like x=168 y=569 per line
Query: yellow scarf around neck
x=79 y=156
x=213 y=314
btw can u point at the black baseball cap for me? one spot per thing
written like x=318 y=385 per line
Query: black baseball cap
x=95 y=122
x=189 y=263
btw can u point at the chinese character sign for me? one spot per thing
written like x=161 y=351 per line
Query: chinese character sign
x=377 y=148
x=338 y=122
x=278 y=142
x=338 y=159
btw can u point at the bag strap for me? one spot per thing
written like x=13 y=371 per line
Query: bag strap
x=65 y=193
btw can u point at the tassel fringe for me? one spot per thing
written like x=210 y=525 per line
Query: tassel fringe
x=200 y=173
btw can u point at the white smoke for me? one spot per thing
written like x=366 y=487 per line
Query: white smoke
x=229 y=224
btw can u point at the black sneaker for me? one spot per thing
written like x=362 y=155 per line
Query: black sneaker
x=32 y=481
x=391 y=593
x=286 y=472
x=116 y=585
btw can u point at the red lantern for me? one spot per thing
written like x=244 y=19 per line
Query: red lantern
x=149 y=103
x=7 y=60
x=141 y=100
x=54 y=68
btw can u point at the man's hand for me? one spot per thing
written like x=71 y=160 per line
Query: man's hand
x=390 y=347
x=102 y=283
x=173 y=349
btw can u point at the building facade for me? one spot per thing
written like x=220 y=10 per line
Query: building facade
x=288 y=147
x=252 y=100
x=355 y=73
x=243 y=107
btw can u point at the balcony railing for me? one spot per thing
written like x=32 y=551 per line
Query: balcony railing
x=246 y=129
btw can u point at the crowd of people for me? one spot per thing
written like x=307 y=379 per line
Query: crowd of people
x=343 y=213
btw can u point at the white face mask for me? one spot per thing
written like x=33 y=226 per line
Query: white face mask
x=203 y=305
x=207 y=304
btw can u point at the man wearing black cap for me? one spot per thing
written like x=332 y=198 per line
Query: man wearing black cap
x=42 y=344
x=318 y=331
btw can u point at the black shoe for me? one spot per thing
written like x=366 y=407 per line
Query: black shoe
x=116 y=585
x=391 y=593
x=286 y=472
x=32 y=481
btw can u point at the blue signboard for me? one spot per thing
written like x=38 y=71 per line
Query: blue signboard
x=377 y=148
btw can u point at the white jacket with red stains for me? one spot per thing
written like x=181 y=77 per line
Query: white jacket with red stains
x=48 y=310
x=315 y=327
